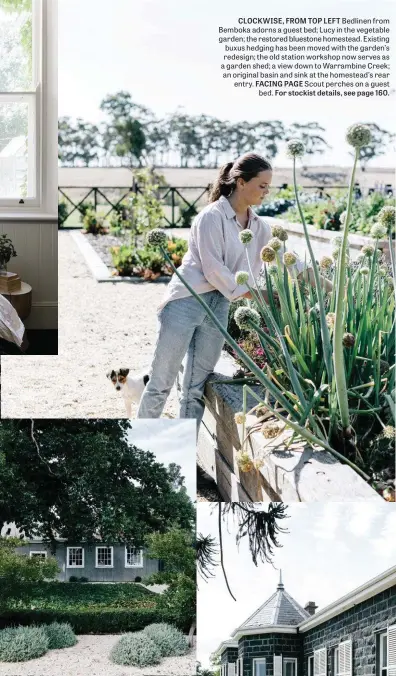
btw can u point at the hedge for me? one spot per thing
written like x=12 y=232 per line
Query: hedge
x=89 y=621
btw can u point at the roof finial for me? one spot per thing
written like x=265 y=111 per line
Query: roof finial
x=280 y=585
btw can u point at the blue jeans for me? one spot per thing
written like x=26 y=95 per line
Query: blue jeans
x=184 y=328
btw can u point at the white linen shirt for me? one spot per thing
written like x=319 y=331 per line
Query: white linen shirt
x=215 y=253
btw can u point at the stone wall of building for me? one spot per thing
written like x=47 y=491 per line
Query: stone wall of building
x=268 y=645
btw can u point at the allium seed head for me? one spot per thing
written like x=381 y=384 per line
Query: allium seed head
x=246 y=236
x=330 y=320
x=378 y=231
x=279 y=232
x=390 y=280
x=157 y=237
x=326 y=263
x=383 y=271
x=267 y=254
x=348 y=340
x=244 y=315
x=335 y=253
x=387 y=217
x=241 y=277
x=272 y=429
x=389 y=432
x=367 y=250
x=244 y=462
x=337 y=242
x=275 y=243
x=240 y=418
x=295 y=148
x=364 y=271
x=358 y=135
x=289 y=258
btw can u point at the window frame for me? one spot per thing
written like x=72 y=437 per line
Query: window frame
x=381 y=636
x=310 y=665
x=129 y=565
x=67 y=558
x=96 y=556
x=258 y=660
x=38 y=552
x=292 y=660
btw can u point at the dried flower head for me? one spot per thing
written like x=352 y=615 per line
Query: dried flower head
x=157 y=237
x=383 y=270
x=241 y=277
x=337 y=242
x=330 y=319
x=267 y=254
x=389 y=432
x=279 y=232
x=275 y=243
x=367 y=250
x=384 y=366
x=295 y=148
x=364 y=271
x=272 y=429
x=387 y=217
x=335 y=253
x=378 y=231
x=244 y=462
x=240 y=418
x=326 y=262
x=261 y=410
x=358 y=135
x=348 y=340
x=244 y=315
x=258 y=463
x=246 y=236
x=289 y=258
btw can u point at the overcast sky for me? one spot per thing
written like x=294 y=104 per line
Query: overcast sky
x=330 y=550
x=167 y=55
x=170 y=441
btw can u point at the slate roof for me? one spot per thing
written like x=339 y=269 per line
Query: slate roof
x=280 y=610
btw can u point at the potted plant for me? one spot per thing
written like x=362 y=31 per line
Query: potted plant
x=7 y=251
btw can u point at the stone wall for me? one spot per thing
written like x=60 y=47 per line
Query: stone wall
x=268 y=645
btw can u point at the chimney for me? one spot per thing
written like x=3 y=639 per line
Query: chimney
x=311 y=607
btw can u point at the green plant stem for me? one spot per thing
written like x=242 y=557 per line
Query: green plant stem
x=338 y=348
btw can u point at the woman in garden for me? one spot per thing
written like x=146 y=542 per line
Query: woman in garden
x=216 y=253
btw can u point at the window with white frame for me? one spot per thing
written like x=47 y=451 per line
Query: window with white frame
x=133 y=557
x=386 y=651
x=259 y=666
x=224 y=669
x=28 y=92
x=239 y=666
x=289 y=666
x=38 y=555
x=310 y=665
x=383 y=654
x=104 y=557
x=75 y=557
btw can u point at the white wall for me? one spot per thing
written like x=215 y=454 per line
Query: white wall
x=37 y=264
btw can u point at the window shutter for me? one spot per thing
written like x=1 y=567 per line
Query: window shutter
x=345 y=657
x=231 y=669
x=277 y=665
x=320 y=662
x=392 y=650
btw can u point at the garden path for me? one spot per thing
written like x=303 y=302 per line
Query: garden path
x=91 y=656
x=101 y=326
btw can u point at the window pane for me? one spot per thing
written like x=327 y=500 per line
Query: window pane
x=260 y=669
x=75 y=556
x=384 y=650
x=17 y=163
x=104 y=556
x=16 y=46
x=289 y=668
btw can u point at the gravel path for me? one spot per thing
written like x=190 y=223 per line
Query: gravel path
x=91 y=656
x=101 y=326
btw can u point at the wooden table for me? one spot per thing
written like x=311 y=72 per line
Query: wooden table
x=21 y=300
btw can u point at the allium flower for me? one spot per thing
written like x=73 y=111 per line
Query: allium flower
x=244 y=462
x=387 y=217
x=272 y=429
x=367 y=250
x=364 y=271
x=348 y=340
x=240 y=418
x=326 y=262
x=295 y=148
x=389 y=432
x=246 y=236
x=273 y=269
x=390 y=280
x=275 y=243
x=267 y=254
x=330 y=319
x=279 y=232
x=378 y=231
x=241 y=277
x=383 y=271
x=289 y=258
x=244 y=315
x=261 y=410
x=358 y=135
x=384 y=366
x=335 y=253
x=337 y=242
x=157 y=237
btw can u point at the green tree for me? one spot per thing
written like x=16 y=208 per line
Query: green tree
x=78 y=142
x=308 y=133
x=125 y=131
x=80 y=479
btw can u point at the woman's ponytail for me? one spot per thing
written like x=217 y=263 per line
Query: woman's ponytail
x=223 y=184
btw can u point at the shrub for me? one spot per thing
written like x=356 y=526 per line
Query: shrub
x=138 y=578
x=62 y=212
x=22 y=643
x=73 y=578
x=168 y=638
x=136 y=650
x=60 y=635
x=93 y=224
x=146 y=261
x=84 y=208
x=84 y=579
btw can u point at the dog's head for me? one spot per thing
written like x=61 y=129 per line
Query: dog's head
x=118 y=378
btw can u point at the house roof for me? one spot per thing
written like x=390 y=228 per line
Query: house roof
x=279 y=610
